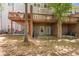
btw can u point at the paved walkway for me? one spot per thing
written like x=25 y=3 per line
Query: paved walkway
x=2 y=38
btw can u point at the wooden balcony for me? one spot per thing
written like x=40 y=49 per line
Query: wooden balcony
x=41 y=18
x=19 y=17
x=76 y=15
x=71 y=20
x=16 y=16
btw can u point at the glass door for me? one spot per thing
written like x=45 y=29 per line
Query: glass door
x=48 y=30
x=42 y=30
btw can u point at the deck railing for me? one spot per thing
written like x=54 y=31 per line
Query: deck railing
x=36 y=17
x=71 y=20
x=16 y=15
x=46 y=18
x=40 y=17
x=42 y=10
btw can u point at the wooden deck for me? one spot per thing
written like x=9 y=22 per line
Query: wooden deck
x=19 y=18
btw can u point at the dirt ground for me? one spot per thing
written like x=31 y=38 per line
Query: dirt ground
x=15 y=46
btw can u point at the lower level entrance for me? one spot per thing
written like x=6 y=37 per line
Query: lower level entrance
x=41 y=30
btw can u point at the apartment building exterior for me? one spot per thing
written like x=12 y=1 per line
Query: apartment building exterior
x=41 y=21
x=6 y=25
x=41 y=24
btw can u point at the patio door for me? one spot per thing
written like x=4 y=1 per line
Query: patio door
x=42 y=30
x=48 y=30
x=45 y=30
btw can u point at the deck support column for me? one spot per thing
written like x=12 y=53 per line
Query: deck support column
x=30 y=23
x=30 y=29
x=11 y=27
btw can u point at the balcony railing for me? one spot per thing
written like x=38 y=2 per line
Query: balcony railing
x=42 y=10
x=43 y=18
x=71 y=20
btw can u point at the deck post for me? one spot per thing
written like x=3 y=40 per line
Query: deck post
x=11 y=27
x=30 y=24
x=30 y=21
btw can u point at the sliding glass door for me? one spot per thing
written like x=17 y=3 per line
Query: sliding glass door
x=42 y=30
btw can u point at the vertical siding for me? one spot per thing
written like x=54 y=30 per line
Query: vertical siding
x=5 y=17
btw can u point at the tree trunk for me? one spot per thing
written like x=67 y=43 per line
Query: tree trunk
x=59 y=27
x=26 y=25
x=26 y=33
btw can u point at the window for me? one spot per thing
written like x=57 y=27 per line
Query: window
x=10 y=4
x=45 y=5
x=48 y=30
x=38 y=5
x=35 y=4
